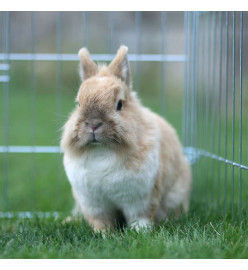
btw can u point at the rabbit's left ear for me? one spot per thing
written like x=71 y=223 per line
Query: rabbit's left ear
x=120 y=66
x=88 y=67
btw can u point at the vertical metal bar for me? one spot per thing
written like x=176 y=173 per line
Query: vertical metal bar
x=85 y=28
x=111 y=31
x=59 y=92
x=194 y=71
x=163 y=49
x=199 y=88
x=207 y=144
x=184 y=116
x=190 y=86
x=33 y=112
x=213 y=101
x=240 y=115
x=196 y=74
x=193 y=90
x=188 y=67
x=202 y=105
x=233 y=113
x=200 y=84
x=208 y=81
x=219 y=108
x=193 y=83
x=138 y=23
x=6 y=114
x=196 y=77
x=226 y=108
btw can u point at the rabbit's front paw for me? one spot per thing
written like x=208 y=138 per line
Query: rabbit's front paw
x=141 y=224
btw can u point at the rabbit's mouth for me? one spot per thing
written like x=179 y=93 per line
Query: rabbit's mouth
x=93 y=142
x=93 y=139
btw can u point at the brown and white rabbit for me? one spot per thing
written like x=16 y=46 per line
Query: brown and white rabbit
x=118 y=155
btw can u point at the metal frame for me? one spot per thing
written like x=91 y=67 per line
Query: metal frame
x=214 y=79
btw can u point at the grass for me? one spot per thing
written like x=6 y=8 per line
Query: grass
x=197 y=235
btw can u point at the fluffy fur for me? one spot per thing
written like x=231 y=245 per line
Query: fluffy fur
x=126 y=161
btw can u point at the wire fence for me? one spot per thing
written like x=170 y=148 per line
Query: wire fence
x=210 y=112
x=215 y=109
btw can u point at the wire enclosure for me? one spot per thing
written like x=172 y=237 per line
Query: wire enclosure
x=209 y=67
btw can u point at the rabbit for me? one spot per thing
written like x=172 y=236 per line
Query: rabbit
x=120 y=157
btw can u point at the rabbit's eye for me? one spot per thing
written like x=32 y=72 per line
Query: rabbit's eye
x=119 y=105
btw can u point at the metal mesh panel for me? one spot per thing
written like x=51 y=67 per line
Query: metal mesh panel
x=215 y=123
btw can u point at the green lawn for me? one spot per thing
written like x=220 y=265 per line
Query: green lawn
x=198 y=235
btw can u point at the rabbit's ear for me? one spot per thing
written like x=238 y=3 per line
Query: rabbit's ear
x=120 y=66
x=88 y=67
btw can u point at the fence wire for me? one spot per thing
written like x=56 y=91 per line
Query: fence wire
x=214 y=120
x=215 y=109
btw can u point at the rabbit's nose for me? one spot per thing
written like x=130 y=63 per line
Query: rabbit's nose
x=94 y=124
x=95 y=127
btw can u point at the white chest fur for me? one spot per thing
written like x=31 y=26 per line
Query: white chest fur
x=101 y=181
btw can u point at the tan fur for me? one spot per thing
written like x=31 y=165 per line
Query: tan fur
x=87 y=66
x=132 y=132
x=173 y=167
x=116 y=66
x=100 y=222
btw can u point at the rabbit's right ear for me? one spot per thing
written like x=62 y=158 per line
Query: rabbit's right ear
x=88 y=67
x=120 y=66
